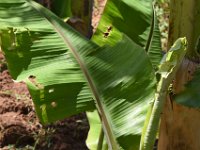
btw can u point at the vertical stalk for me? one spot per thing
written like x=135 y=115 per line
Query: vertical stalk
x=151 y=125
x=101 y=138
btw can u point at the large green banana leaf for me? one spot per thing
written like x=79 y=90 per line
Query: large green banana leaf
x=34 y=47
x=137 y=20
x=67 y=74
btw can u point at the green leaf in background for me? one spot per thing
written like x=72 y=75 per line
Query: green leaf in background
x=190 y=97
x=62 y=8
x=95 y=132
x=64 y=71
x=154 y=48
x=134 y=18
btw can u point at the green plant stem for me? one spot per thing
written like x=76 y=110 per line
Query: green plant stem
x=148 y=116
x=166 y=72
x=101 y=138
x=153 y=117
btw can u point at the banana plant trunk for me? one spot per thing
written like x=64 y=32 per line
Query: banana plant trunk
x=180 y=126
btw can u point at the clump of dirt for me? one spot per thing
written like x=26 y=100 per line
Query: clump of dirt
x=20 y=128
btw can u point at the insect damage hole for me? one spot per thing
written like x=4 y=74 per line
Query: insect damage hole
x=109 y=28
x=32 y=78
x=53 y=104
x=107 y=33
x=51 y=90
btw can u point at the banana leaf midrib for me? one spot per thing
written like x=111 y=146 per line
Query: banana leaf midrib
x=107 y=127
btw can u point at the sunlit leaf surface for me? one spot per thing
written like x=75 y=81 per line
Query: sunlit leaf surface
x=67 y=74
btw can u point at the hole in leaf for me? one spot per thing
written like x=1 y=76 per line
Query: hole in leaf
x=32 y=78
x=51 y=90
x=109 y=28
x=105 y=34
x=53 y=104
